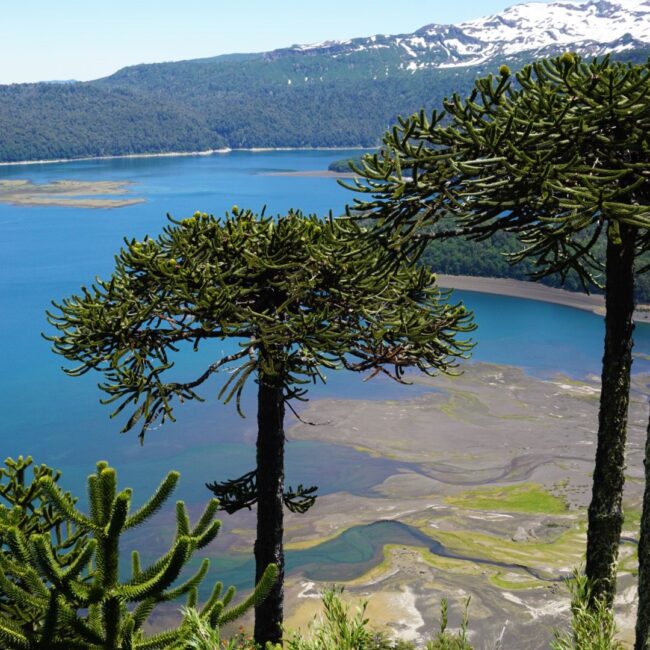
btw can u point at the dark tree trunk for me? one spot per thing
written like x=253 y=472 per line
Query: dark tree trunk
x=643 y=611
x=270 y=486
x=605 y=511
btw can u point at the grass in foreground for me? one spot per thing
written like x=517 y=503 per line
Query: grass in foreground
x=590 y=630
x=337 y=628
x=340 y=628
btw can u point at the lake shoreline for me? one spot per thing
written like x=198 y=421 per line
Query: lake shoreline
x=594 y=303
x=177 y=154
x=313 y=173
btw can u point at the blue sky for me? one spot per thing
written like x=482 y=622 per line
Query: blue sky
x=87 y=39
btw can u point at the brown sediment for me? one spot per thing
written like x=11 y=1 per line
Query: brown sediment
x=68 y=193
x=493 y=426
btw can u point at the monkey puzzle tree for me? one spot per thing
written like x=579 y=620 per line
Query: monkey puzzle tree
x=560 y=155
x=61 y=586
x=295 y=295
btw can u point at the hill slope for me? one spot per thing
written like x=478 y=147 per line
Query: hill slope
x=329 y=94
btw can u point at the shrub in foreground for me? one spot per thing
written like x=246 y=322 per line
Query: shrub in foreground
x=61 y=586
x=592 y=627
x=340 y=629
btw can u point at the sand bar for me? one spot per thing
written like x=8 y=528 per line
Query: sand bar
x=535 y=291
x=475 y=439
x=68 y=193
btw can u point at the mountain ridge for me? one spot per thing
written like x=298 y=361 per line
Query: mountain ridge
x=530 y=28
x=331 y=94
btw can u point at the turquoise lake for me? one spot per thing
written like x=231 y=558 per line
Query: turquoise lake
x=49 y=252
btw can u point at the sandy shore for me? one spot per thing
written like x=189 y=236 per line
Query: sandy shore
x=169 y=154
x=534 y=291
x=314 y=173
x=174 y=154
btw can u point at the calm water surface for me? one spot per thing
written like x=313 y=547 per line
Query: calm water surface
x=48 y=252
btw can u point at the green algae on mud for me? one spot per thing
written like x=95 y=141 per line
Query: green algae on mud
x=523 y=497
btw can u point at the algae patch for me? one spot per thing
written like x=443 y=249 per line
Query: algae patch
x=524 y=497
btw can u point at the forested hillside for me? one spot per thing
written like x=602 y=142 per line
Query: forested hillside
x=50 y=121
x=192 y=106
x=287 y=98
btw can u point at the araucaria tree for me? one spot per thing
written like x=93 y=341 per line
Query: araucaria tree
x=560 y=155
x=61 y=586
x=296 y=295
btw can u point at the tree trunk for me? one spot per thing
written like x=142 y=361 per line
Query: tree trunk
x=270 y=486
x=605 y=511
x=643 y=610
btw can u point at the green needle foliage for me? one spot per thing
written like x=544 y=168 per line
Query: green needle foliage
x=289 y=290
x=27 y=509
x=299 y=295
x=558 y=155
x=26 y=505
x=73 y=589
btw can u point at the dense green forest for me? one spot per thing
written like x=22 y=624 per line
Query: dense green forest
x=50 y=121
x=279 y=99
x=192 y=106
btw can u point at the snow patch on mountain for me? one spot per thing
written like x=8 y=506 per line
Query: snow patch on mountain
x=535 y=25
x=591 y=28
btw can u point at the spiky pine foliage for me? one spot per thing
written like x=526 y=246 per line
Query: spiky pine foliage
x=17 y=492
x=591 y=628
x=292 y=291
x=27 y=508
x=81 y=602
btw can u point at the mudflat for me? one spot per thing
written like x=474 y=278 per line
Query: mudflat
x=497 y=475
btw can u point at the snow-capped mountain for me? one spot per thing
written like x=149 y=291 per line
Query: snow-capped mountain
x=591 y=28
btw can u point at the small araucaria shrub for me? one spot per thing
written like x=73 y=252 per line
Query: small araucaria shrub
x=60 y=574
x=446 y=640
x=336 y=629
x=23 y=505
x=592 y=627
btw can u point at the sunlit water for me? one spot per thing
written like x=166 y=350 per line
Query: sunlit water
x=49 y=252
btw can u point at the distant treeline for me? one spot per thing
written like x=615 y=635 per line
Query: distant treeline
x=288 y=99
x=343 y=164
x=192 y=106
